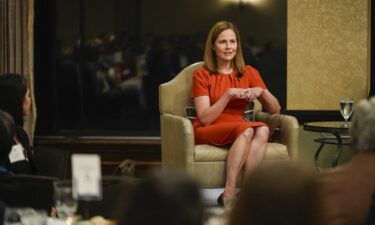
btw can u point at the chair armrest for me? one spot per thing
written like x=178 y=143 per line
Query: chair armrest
x=177 y=142
x=289 y=130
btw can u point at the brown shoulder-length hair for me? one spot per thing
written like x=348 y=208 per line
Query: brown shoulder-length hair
x=210 y=62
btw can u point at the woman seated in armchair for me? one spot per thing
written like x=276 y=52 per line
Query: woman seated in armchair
x=221 y=90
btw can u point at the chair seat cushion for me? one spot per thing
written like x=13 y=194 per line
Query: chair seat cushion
x=277 y=151
x=210 y=153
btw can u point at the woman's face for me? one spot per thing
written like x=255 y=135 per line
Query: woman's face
x=26 y=104
x=225 y=46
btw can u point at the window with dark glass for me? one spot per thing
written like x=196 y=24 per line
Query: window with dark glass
x=98 y=64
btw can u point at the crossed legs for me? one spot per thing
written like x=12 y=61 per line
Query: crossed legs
x=247 y=150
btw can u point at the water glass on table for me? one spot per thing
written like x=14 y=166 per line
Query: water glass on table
x=66 y=206
x=346 y=108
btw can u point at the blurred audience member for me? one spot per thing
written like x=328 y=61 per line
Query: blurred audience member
x=371 y=215
x=7 y=132
x=348 y=189
x=15 y=100
x=2 y=210
x=279 y=193
x=168 y=199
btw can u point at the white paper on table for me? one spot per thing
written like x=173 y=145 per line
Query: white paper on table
x=86 y=177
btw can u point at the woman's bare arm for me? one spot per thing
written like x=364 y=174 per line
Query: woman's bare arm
x=269 y=102
x=208 y=113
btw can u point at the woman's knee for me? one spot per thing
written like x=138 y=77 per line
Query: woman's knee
x=262 y=132
x=248 y=133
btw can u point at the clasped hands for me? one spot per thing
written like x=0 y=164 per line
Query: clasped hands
x=249 y=94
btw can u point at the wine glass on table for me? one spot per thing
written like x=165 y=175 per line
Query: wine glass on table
x=346 y=109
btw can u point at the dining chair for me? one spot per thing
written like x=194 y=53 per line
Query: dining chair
x=27 y=191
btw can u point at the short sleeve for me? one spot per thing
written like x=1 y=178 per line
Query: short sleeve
x=200 y=86
x=255 y=79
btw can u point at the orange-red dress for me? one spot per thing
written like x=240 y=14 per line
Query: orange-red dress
x=230 y=124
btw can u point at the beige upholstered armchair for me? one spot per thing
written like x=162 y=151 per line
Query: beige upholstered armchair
x=206 y=163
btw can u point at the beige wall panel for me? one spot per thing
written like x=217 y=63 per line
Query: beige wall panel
x=328 y=56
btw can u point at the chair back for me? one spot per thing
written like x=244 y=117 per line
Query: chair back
x=175 y=95
x=27 y=191
x=51 y=162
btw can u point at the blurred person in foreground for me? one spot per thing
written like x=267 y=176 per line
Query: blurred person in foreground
x=168 y=198
x=15 y=100
x=348 y=189
x=279 y=193
x=7 y=132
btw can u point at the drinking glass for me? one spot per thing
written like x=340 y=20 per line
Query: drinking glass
x=346 y=108
x=66 y=205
